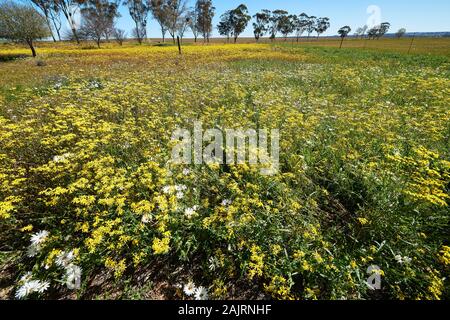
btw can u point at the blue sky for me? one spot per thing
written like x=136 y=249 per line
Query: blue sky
x=414 y=15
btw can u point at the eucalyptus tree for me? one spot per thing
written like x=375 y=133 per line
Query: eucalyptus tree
x=275 y=18
x=286 y=25
x=239 y=21
x=224 y=26
x=22 y=23
x=205 y=14
x=261 y=24
x=300 y=24
x=343 y=32
x=174 y=11
x=98 y=18
x=193 y=23
x=46 y=6
x=158 y=11
x=378 y=31
x=400 y=33
x=311 y=25
x=139 y=10
x=322 y=25
x=69 y=9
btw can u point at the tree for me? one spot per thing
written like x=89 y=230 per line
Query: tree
x=45 y=6
x=311 y=25
x=183 y=25
x=239 y=19
x=261 y=24
x=372 y=33
x=400 y=33
x=20 y=22
x=193 y=23
x=98 y=19
x=224 y=27
x=300 y=24
x=286 y=25
x=205 y=14
x=384 y=28
x=158 y=10
x=276 y=17
x=343 y=32
x=174 y=10
x=69 y=8
x=55 y=17
x=119 y=35
x=139 y=11
x=361 y=31
x=378 y=31
x=322 y=25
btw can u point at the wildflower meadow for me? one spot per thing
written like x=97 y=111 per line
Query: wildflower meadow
x=94 y=206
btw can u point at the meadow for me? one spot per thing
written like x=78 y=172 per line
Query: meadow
x=88 y=188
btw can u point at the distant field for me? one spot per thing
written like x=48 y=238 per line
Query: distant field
x=88 y=185
x=403 y=45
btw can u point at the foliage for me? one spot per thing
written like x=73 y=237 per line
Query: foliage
x=139 y=10
x=261 y=24
x=22 y=23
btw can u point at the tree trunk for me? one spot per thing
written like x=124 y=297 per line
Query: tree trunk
x=57 y=30
x=59 y=34
x=33 y=51
x=74 y=31
x=71 y=23
x=342 y=40
x=138 y=33
x=50 y=28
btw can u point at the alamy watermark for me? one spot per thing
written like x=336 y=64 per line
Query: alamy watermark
x=227 y=147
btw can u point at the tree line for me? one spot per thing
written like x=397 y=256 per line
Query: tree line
x=44 y=18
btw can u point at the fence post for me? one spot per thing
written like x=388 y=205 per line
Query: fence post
x=179 y=44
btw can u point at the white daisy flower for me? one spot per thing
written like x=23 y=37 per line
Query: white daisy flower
x=399 y=259
x=62 y=158
x=181 y=187
x=32 y=251
x=167 y=190
x=31 y=287
x=180 y=195
x=189 y=289
x=186 y=172
x=39 y=238
x=407 y=260
x=65 y=258
x=146 y=218
x=214 y=263
x=43 y=286
x=226 y=203
x=201 y=293
x=73 y=276
x=189 y=212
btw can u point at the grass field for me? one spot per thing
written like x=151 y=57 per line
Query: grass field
x=362 y=190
